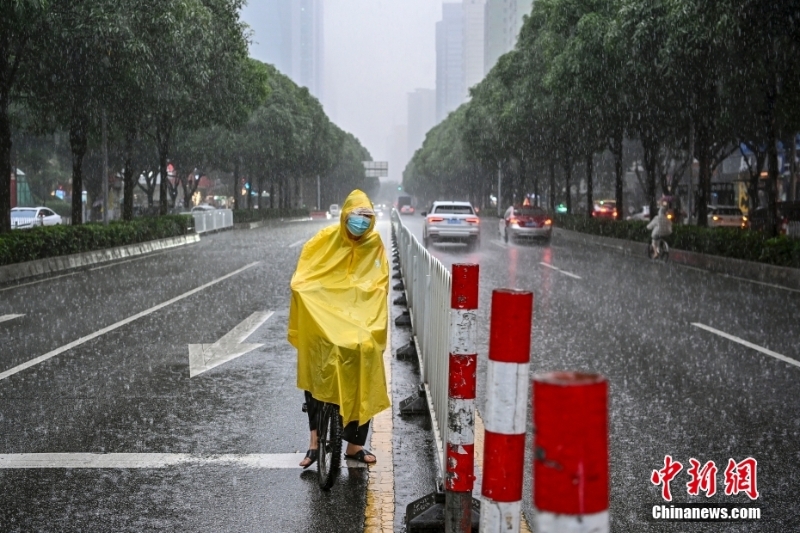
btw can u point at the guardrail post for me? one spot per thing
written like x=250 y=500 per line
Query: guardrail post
x=570 y=418
x=463 y=361
x=506 y=406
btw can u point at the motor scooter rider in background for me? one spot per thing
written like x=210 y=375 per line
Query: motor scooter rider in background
x=661 y=226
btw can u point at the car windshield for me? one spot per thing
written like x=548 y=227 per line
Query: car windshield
x=454 y=209
x=529 y=212
x=23 y=213
x=730 y=211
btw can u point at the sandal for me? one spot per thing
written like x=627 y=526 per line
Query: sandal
x=360 y=456
x=310 y=454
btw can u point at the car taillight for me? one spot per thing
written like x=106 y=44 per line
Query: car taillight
x=548 y=222
x=669 y=216
x=513 y=220
x=435 y=219
x=474 y=220
x=615 y=213
x=715 y=217
x=744 y=219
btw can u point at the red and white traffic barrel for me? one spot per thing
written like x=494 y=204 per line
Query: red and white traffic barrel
x=462 y=371
x=506 y=410
x=570 y=472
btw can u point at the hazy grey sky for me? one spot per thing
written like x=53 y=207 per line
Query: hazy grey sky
x=376 y=51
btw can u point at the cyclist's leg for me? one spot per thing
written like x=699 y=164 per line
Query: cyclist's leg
x=356 y=437
x=312 y=408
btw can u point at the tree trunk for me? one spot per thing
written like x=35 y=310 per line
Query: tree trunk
x=650 y=153
x=272 y=193
x=568 y=180
x=772 y=179
x=162 y=139
x=128 y=183
x=616 y=150
x=78 y=144
x=704 y=179
x=551 y=195
x=793 y=168
x=589 y=184
x=260 y=187
x=236 y=184
x=5 y=167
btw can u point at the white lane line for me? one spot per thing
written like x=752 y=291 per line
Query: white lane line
x=701 y=270
x=748 y=344
x=62 y=349
x=3 y=318
x=127 y=261
x=500 y=244
x=152 y=460
x=298 y=243
x=570 y=274
x=760 y=283
x=39 y=281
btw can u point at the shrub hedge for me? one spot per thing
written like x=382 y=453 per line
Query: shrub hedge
x=257 y=215
x=727 y=242
x=50 y=241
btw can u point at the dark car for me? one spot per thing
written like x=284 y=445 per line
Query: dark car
x=526 y=222
x=605 y=209
x=788 y=218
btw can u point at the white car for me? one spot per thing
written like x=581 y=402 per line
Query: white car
x=726 y=216
x=28 y=217
x=453 y=222
x=202 y=208
x=644 y=214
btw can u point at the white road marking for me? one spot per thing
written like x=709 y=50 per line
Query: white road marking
x=298 y=243
x=204 y=357
x=570 y=274
x=152 y=460
x=3 y=318
x=501 y=244
x=760 y=283
x=39 y=281
x=146 y=256
x=748 y=344
x=78 y=342
x=701 y=270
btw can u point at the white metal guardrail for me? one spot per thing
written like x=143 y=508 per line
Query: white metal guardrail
x=212 y=219
x=427 y=285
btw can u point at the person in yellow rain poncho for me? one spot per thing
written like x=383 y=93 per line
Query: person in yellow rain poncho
x=338 y=323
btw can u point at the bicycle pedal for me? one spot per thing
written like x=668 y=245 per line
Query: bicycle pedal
x=305 y=407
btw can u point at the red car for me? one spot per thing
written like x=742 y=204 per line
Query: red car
x=526 y=222
x=605 y=209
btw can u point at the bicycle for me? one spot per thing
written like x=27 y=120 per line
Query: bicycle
x=329 y=434
x=663 y=250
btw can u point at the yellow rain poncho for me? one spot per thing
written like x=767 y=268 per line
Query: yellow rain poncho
x=338 y=317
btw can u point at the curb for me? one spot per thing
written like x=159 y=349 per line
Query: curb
x=52 y=265
x=737 y=268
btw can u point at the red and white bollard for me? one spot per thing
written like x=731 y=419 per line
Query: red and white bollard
x=462 y=370
x=506 y=410
x=570 y=472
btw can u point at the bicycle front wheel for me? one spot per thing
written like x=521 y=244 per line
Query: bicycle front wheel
x=329 y=431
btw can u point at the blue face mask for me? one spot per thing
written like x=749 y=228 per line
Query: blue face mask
x=357 y=224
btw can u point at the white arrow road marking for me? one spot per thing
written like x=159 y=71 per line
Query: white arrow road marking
x=152 y=460
x=3 y=318
x=298 y=243
x=570 y=274
x=748 y=344
x=204 y=357
x=112 y=327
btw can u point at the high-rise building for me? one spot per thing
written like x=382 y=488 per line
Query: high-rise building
x=450 y=82
x=502 y=22
x=474 y=41
x=421 y=117
x=288 y=34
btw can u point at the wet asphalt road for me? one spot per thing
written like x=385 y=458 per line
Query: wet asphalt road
x=675 y=389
